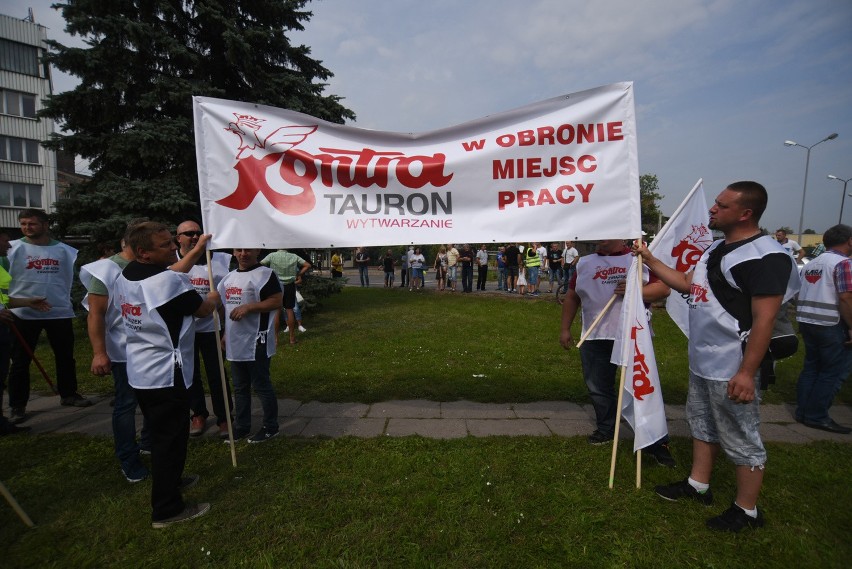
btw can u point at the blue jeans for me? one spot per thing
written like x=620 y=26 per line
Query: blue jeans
x=364 y=274
x=555 y=275
x=599 y=375
x=501 y=278
x=124 y=421
x=248 y=375
x=827 y=364
x=532 y=276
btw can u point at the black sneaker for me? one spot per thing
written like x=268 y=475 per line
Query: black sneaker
x=17 y=415
x=683 y=489
x=734 y=519
x=9 y=428
x=188 y=482
x=189 y=512
x=599 y=438
x=75 y=400
x=661 y=453
x=238 y=436
x=262 y=435
x=137 y=473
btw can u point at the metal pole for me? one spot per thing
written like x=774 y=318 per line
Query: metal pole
x=804 y=192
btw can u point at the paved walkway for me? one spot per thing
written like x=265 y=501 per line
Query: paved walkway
x=431 y=419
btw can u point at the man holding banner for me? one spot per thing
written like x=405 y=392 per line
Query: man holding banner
x=735 y=291
x=598 y=278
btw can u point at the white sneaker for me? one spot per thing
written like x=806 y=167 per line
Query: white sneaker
x=286 y=329
x=302 y=328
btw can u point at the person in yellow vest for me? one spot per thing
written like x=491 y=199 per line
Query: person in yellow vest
x=532 y=262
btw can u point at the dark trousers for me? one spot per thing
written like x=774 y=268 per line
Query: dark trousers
x=481 y=277
x=167 y=410
x=403 y=278
x=206 y=350
x=467 y=278
x=60 y=335
x=5 y=350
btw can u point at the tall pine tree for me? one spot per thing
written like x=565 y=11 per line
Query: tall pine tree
x=131 y=114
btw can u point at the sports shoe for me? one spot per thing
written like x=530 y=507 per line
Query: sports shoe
x=145 y=451
x=599 y=438
x=262 y=435
x=237 y=437
x=734 y=519
x=188 y=482
x=8 y=428
x=683 y=489
x=223 y=431
x=286 y=329
x=197 y=426
x=661 y=453
x=75 y=400
x=302 y=328
x=189 y=512
x=17 y=415
x=136 y=474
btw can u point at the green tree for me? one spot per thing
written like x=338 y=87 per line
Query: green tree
x=131 y=114
x=649 y=196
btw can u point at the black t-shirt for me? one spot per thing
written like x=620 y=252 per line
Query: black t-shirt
x=511 y=256
x=466 y=257
x=765 y=276
x=388 y=264
x=554 y=257
x=174 y=311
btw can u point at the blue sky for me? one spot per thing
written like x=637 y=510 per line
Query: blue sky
x=719 y=85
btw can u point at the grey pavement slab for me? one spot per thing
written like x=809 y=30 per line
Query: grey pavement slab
x=343 y=426
x=563 y=410
x=319 y=409
x=782 y=433
x=474 y=410
x=410 y=409
x=429 y=428
x=569 y=427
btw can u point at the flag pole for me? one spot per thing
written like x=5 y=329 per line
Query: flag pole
x=682 y=205
x=31 y=353
x=624 y=348
x=15 y=506
x=597 y=320
x=217 y=327
x=638 y=452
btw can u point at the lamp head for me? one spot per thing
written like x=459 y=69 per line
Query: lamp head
x=790 y=143
x=831 y=136
x=832 y=177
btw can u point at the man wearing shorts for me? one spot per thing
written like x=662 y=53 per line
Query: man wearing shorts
x=290 y=268
x=735 y=292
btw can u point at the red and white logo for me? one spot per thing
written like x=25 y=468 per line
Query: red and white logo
x=813 y=275
x=261 y=149
x=642 y=385
x=689 y=250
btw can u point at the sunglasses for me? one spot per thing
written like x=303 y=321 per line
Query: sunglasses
x=190 y=233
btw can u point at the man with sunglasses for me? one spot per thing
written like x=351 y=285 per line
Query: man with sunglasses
x=188 y=234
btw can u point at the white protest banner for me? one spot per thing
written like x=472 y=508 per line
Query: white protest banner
x=642 y=405
x=680 y=244
x=275 y=178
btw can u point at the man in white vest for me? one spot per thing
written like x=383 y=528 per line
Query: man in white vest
x=251 y=294
x=188 y=234
x=157 y=307
x=824 y=312
x=735 y=292
x=598 y=278
x=42 y=267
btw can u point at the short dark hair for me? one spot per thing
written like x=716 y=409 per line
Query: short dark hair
x=836 y=235
x=33 y=212
x=141 y=236
x=753 y=196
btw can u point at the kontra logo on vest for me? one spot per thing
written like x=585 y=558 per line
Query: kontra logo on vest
x=264 y=153
x=46 y=265
x=813 y=275
x=689 y=250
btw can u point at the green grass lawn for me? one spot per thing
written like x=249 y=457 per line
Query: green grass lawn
x=412 y=502
x=497 y=502
x=371 y=345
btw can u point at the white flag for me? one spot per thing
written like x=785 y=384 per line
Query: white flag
x=642 y=404
x=680 y=244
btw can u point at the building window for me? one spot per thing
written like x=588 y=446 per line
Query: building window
x=20 y=195
x=18 y=149
x=17 y=104
x=18 y=57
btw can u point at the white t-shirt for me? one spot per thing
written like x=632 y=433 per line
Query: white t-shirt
x=569 y=254
x=792 y=248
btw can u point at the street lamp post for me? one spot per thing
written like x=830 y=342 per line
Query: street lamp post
x=831 y=136
x=843 y=199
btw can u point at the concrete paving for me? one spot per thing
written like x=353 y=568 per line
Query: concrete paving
x=430 y=419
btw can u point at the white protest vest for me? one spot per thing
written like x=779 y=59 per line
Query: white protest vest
x=42 y=271
x=715 y=342
x=597 y=277
x=818 y=301
x=151 y=357
x=242 y=336
x=107 y=272
x=200 y=280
